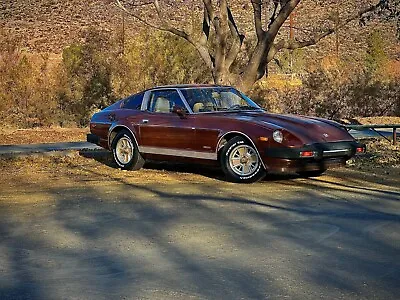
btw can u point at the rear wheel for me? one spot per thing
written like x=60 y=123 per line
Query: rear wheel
x=240 y=161
x=125 y=152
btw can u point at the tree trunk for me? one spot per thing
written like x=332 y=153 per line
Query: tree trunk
x=220 y=54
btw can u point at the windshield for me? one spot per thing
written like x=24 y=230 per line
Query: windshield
x=217 y=99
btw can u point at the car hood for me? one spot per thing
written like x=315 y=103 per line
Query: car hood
x=308 y=129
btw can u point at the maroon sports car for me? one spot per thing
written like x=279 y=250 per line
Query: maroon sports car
x=218 y=125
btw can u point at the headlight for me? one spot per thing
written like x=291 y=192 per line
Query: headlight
x=277 y=136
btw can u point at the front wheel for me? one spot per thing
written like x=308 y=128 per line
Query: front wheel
x=125 y=151
x=240 y=161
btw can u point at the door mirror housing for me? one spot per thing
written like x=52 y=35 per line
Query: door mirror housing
x=180 y=111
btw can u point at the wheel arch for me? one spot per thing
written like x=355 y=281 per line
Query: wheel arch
x=114 y=131
x=231 y=134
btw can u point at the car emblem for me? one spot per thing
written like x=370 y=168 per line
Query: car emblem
x=325 y=135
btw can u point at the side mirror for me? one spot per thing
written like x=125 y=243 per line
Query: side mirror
x=181 y=112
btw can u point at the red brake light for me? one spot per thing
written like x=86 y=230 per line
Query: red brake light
x=360 y=150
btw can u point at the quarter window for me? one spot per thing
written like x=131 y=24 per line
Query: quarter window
x=134 y=102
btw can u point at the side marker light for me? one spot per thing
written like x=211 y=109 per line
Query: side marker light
x=306 y=154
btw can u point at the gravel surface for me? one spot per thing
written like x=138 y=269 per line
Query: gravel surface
x=74 y=227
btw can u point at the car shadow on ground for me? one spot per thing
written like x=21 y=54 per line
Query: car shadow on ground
x=119 y=238
x=213 y=172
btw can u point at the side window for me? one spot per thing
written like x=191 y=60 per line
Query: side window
x=163 y=101
x=134 y=102
x=229 y=99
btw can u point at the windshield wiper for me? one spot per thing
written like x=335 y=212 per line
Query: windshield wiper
x=242 y=107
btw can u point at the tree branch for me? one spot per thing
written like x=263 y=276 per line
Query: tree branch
x=209 y=12
x=158 y=10
x=237 y=40
x=151 y=2
x=283 y=14
x=222 y=27
x=206 y=24
x=119 y=4
x=257 y=66
x=257 y=19
x=293 y=44
x=209 y=8
x=272 y=19
x=201 y=49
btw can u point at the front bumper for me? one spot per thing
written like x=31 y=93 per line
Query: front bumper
x=320 y=156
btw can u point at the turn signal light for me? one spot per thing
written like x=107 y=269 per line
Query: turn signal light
x=360 y=150
x=306 y=154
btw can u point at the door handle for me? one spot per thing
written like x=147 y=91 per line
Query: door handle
x=145 y=121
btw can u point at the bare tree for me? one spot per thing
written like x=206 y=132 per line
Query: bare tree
x=221 y=40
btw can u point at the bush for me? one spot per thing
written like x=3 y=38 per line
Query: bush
x=27 y=97
x=334 y=97
x=37 y=91
x=86 y=77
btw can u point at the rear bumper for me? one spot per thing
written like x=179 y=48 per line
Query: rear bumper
x=320 y=156
x=92 y=138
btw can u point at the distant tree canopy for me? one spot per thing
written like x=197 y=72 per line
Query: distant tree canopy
x=220 y=41
x=99 y=67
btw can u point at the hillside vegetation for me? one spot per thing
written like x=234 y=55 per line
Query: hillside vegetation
x=62 y=60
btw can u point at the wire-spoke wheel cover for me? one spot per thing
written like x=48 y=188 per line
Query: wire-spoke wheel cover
x=124 y=150
x=243 y=160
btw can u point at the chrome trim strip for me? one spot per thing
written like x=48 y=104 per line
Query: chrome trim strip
x=335 y=151
x=241 y=133
x=332 y=153
x=226 y=111
x=178 y=152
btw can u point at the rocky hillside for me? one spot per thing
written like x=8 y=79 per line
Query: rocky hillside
x=50 y=25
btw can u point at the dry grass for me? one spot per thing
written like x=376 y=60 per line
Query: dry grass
x=42 y=135
x=380 y=164
x=382 y=157
x=379 y=120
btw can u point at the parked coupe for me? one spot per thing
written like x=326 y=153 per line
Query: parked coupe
x=212 y=124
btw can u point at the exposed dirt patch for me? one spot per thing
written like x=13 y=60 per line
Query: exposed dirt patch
x=59 y=169
x=42 y=135
x=380 y=166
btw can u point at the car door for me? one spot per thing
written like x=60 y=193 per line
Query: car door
x=162 y=131
x=207 y=133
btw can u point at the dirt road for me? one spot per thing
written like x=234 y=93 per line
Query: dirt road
x=76 y=228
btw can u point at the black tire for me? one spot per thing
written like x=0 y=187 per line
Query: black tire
x=315 y=173
x=243 y=169
x=130 y=159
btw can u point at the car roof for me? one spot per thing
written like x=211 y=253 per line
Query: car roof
x=185 y=86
